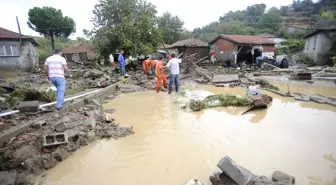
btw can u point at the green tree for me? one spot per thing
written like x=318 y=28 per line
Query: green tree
x=50 y=22
x=255 y=12
x=272 y=21
x=186 y=34
x=171 y=27
x=127 y=24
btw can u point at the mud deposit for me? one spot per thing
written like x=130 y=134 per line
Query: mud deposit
x=171 y=146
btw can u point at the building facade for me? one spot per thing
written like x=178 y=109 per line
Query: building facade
x=16 y=54
x=319 y=43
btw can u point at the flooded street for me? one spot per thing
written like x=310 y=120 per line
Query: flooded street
x=171 y=146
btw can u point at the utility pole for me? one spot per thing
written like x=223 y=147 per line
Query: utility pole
x=18 y=24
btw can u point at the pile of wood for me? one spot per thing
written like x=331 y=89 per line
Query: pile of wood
x=190 y=64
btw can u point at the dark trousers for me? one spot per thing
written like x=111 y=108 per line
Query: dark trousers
x=173 y=79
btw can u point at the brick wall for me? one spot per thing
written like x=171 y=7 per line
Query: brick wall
x=269 y=48
x=223 y=45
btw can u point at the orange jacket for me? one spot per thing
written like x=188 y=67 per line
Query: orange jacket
x=159 y=70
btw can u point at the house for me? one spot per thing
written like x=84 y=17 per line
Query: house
x=239 y=48
x=296 y=28
x=17 y=54
x=191 y=46
x=319 y=43
x=81 y=53
x=166 y=47
x=274 y=38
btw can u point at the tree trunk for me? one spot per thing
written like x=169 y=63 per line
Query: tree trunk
x=52 y=42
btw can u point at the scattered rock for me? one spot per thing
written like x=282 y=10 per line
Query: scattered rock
x=96 y=102
x=237 y=173
x=8 y=177
x=61 y=154
x=34 y=165
x=110 y=111
x=279 y=176
x=90 y=122
x=194 y=182
x=28 y=106
x=61 y=127
x=48 y=161
x=39 y=124
x=91 y=136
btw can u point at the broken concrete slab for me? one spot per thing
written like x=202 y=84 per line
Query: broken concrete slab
x=301 y=76
x=61 y=127
x=237 y=173
x=279 y=176
x=28 y=106
x=39 y=124
x=8 y=177
x=90 y=122
x=194 y=182
x=34 y=165
x=300 y=96
x=128 y=88
x=225 y=78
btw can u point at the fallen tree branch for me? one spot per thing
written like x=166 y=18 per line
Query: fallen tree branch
x=201 y=60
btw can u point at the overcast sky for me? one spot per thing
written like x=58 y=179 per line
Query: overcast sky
x=195 y=13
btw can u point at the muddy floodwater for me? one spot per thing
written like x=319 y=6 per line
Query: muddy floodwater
x=171 y=146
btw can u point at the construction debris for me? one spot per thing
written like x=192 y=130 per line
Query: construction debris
x=233 y=174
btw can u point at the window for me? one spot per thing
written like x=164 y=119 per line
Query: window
x=308 y=44
x=314 y=42
x=9 y=50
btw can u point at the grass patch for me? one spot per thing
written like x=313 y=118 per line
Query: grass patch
x=28 y=94
x=224 y=100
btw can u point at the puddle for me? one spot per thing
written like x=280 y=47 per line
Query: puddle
x=171 y=146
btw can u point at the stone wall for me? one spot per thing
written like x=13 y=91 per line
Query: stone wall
x=27 y=59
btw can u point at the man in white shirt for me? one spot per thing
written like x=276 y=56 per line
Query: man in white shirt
x=174 y=69
x=55 y=66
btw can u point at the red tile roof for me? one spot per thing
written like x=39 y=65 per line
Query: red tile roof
x=247 y=39
x=244 y=39
x=189 y=43
x=80 y=48
x=7 y=34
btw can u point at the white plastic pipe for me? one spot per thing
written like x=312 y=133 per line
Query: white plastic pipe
x=52 y=103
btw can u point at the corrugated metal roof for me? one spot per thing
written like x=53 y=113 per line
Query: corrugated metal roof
x=332 y=28
x=189 y=43
x=246 y=39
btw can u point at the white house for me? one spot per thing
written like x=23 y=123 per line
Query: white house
x=273 y=38
x=319 y=43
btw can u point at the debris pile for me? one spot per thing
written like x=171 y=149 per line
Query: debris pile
x=51 y=138
x=233 y=174
x=221 y=100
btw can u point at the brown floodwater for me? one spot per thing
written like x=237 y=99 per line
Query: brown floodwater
x=171 y=146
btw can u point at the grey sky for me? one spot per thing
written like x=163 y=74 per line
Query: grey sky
x=195 y=13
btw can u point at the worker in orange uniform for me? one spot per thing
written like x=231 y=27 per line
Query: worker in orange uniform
x=146 y=66
x=152 y=65
x=160 y=75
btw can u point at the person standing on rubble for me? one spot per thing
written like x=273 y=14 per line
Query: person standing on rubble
x=55 y=66
x=121 y=62
x=212 y=56
x=174 y=69
x=160 y=75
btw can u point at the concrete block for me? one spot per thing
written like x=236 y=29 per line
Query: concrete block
x=61 y=127
x=55 y=139
x=279 y=176
x=8 y=177
x=225 y=78
x=29 y=106
x=90 y=122
x=237 y=173
x=39 y=124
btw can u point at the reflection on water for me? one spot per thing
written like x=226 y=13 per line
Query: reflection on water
x=171 y=146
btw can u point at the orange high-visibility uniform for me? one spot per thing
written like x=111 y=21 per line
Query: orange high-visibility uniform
x=153 y=64
x=146 y=66
x=160 y=75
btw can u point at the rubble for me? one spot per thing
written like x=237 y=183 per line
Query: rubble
x=8 y=177
x=233 y=174
x=28 y=106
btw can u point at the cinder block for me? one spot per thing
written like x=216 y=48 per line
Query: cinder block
x=55 y=139
x=279 y=176
x=237 y=173
x=29 y=106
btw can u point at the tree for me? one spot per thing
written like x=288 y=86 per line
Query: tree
x=127 y=25
x=186 y=34
x=50 y=22
x=272 y=21
x=255 y=12
x=171 y=27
